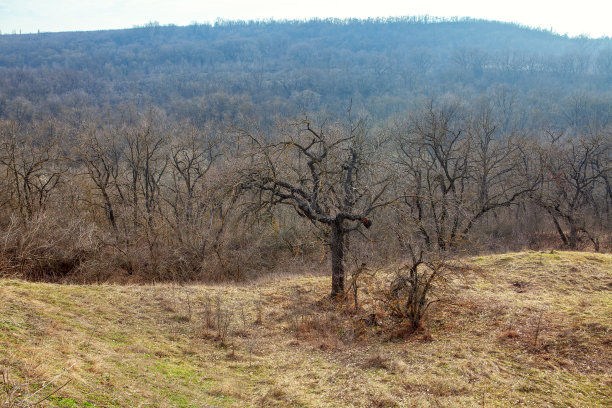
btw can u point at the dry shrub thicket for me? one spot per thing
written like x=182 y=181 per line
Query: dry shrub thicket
x=145 y=199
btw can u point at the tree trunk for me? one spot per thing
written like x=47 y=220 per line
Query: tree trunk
x=573 y=235
x=559 y=229
x=337 y=249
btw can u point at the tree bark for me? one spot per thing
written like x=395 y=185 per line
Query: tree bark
x=337 y=249
x=573 y=235
x=558 y=227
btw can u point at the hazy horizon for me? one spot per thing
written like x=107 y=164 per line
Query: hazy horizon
x=31 y=16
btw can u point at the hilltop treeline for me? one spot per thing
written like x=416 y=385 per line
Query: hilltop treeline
x=220 y=152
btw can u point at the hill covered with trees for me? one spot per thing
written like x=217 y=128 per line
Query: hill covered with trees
x=271 y=69
x=215 y=152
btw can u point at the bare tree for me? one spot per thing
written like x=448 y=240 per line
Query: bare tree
x=101 y=157
x=331 y=175
x=456 y=169
x=146 y=163
x=196 y=201
x=575 y=170
x=192 y=155
x=32 y=163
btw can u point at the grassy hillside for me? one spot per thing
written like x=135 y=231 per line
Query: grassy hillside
x=525 y=330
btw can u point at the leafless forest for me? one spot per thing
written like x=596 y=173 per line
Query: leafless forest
x=123 y=166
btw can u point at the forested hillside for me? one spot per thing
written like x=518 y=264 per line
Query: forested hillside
x=266 y=69
x=223 y=152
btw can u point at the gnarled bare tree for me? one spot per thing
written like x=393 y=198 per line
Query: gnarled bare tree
x=332 y=175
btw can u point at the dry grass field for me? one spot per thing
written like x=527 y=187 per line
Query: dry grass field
x=531 y=329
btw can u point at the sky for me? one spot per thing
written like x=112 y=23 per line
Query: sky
x=584 y=17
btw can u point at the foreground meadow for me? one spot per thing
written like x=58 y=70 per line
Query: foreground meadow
x=531 y=329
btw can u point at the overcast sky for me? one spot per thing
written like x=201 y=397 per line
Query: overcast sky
x=590 y=17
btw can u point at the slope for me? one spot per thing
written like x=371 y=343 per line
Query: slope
x=528 y=329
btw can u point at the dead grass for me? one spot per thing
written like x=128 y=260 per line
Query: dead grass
x=544 y=342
